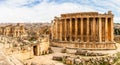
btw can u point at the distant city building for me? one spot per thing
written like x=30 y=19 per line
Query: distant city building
x=14 y=31
x=85 y=30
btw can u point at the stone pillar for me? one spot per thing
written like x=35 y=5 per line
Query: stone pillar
x=87 y=29
x=52 y=32
x=56 y=29
x=100 y=30
x=93 y=29
x=70 y=29
x=60 y=30
x=76 y=29
x=112 y=30
x=106 y=29
x=81 y=29
x=65 y=29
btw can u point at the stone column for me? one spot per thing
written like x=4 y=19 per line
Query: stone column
x=52 y=30
x=76 y=29
x=60 y=30
x=65 y=29
x=106 y=30
x=70 y=29
x=93 y=29
x=100 y=30
x=81 y=29
x=112 y=30
x=87 y=29
x=56 y=26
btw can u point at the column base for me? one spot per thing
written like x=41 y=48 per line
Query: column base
x=87 y=45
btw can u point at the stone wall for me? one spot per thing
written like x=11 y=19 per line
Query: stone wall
x=117 y=38
x=89 y=46
x=44 y=45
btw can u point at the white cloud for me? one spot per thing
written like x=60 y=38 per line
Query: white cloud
x=18 y=2
x=117 y=19
x=43 y=12
x=12 y=11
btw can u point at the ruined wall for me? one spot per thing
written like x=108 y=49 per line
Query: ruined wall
x=117 y=38
x=14 y=31
x=44 y=45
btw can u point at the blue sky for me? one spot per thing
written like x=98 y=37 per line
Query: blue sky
x=45 y=10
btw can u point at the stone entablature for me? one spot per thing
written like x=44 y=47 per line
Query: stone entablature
x=87 y=28
x=84 y=14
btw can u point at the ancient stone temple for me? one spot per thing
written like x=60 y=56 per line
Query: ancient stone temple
x=84 y=30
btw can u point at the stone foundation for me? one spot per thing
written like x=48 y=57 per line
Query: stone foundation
x=86 y=45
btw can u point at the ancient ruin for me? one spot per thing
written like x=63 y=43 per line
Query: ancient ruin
x=84 y=30
x=14 y=31
x=75 y=38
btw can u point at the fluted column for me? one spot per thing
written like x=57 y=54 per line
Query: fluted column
x=106 y=29
x=76 y=28
x=70 y=29
x=88 y=29
x=100 y=30
x=81 y=29
x=112 y=30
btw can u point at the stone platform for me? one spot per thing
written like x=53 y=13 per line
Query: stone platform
x=87 y=45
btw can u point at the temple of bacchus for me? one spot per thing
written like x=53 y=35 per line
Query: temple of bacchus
x=84 y=30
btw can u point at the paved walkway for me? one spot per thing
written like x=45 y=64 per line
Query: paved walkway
x=7 y=60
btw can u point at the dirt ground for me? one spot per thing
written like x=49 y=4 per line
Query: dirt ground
x=47 y=59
